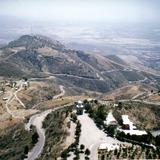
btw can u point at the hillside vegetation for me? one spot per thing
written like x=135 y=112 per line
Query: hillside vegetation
x=35 y=55
x=15 y=142
x=144 y=116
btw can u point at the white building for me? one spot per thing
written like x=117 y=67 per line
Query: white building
x=108 y=146
x=127 y=124
x=79 y=107
x=129 y=128
x=110 y=120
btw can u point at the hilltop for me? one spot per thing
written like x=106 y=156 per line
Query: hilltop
x=40 y=56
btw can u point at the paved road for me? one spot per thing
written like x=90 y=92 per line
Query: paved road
x=37 y=120
x=76 y=76
x=92 y=137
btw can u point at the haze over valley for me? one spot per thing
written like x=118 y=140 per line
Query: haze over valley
x=79 y=79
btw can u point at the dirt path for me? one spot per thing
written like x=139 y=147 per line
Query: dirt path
x=12 y=96
x=61 y=94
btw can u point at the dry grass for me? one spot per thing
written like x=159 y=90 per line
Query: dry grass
x=62 y=101
x=127 y=92
x=154 y=98
x=142 y=115
x=48 y=51
x=8 y=124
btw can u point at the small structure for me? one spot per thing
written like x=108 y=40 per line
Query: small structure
x=14 y=84
x=115 y=105
x=129 y=128
x=104 y=148
x=8 y=84
x=25 y=85
x=4 y=99
x=110 y=120
x=79 y=107
x=127 y=124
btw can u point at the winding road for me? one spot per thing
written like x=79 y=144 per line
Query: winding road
x=37 y=121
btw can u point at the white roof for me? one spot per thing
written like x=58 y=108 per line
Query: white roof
x=80 y=102
x=133 y=132
x=132 y=129
x=110 y=119
x=108 y=146
x=115 y=105
x=79 y=106
x=128 y=122
x=126 y=119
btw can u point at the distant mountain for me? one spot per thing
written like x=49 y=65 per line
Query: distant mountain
x=35 y=42
x=36 y=55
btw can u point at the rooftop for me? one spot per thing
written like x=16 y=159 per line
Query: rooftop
x=126 y=119
x=132 y=128
x=133 y=132
x=108 y=146
x=110 y=119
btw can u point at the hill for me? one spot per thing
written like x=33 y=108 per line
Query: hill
x=39 y=56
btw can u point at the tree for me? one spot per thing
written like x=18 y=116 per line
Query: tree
x=35 y=138
x=87 y=107
x=82 y=147
x=87 y=152
x=101 y=113
x=95 y=101
x=74 y=117
x=26 y=149
x=25 y=78
x=3 y=89
x=115 y=151
x=157 y=140
x=120 y=105
x=65 y=154
x=85 y=101
x=86 y=158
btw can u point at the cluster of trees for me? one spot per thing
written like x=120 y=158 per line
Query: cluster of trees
x=157 y=140
x=98 y=113
x=35 y=137
x=75 y=147
x=34 y=140
x=16 y=142
x=110 y=130
x=55 y=132
x=73 y=117
x=133 y=152
x=139 y=139
x=146 y=138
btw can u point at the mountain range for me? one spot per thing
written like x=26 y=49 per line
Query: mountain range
x=40 y=56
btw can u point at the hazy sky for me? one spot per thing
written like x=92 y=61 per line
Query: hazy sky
x=94 y=10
